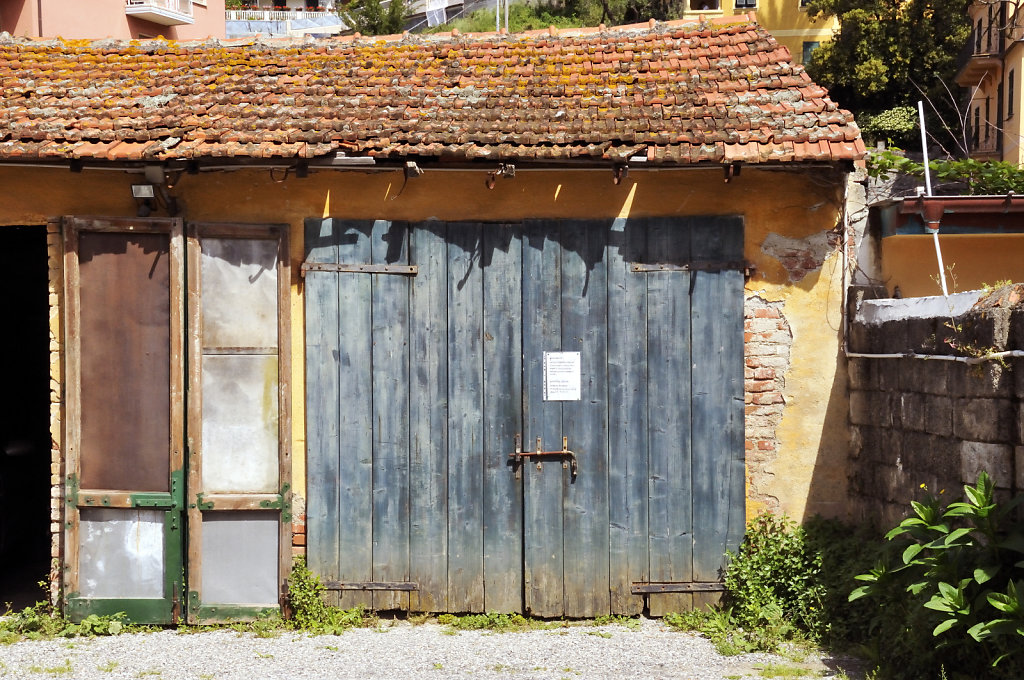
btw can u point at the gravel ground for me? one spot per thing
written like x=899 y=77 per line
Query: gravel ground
x=398 y=649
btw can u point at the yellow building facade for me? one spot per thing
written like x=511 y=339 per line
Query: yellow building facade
x=787 y=20
x=992 y=71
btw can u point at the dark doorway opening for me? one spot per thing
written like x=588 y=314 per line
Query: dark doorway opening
x=24 y=416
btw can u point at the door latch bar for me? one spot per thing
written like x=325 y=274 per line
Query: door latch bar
x=518 y=457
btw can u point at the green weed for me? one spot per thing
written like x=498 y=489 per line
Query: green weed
x=630 y=622
x=499 y=623
x=312 y=614
x=774 y=671
x=63 y=669
x=107 y=667
x=41 y=622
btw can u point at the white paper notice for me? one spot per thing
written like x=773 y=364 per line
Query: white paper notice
x=561 y=376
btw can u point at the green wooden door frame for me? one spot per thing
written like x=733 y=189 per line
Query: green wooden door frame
x=238 y=502
x=177 y=514
x=77 y=602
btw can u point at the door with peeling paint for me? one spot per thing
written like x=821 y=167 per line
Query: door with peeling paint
x=167 y=335
x=427 y=396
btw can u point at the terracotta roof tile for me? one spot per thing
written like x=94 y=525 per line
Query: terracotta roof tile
x=716 y=91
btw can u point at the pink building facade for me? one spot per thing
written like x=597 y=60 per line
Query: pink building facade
x=126 y=19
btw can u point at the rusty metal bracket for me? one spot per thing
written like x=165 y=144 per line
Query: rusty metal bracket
x=518 y=457
x=405 y=269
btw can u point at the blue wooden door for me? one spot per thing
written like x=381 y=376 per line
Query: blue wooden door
x=425 y=363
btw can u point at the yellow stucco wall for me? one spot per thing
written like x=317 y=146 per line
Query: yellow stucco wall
x=786 y=20
x=1013 y=68
x=971 y=262
x=808 y=473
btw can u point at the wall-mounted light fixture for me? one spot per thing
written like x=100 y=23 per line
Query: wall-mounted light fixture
x=145 y=199
x=412 y=170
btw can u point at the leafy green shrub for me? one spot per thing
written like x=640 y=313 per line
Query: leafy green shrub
x=979 y=177
x=896 y=125
x=311 y=613
x=772 y=582
x=787 y=585
x=953 y=601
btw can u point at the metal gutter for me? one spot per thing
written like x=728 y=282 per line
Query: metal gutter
x=932 y=208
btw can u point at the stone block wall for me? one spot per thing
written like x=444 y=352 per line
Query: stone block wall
x=929 y=425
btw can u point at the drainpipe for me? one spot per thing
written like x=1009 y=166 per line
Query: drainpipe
x=928 y=186
x=930 y=217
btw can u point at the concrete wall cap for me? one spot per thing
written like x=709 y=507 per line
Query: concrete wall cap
x=875 y=312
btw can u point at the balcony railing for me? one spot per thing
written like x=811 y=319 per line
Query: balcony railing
x=980 y=56
x=274 y=14
x=982 y=147
x=166 y=12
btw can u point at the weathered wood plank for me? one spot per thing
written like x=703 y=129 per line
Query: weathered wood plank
x=321 y=295
x=284 y=384
x=428 y=420
x=668 y=346
x=543 y=489
x=72 y=435
x=355 y=412
x=501 y=261
x=390 y=331
x=465 y=399
x=627 y=416
x=717 y=394
x=585 y=500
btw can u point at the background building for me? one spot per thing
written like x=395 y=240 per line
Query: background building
x=173 y=19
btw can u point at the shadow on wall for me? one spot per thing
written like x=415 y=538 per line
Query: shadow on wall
x=828 y=492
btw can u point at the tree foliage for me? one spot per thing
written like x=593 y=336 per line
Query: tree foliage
x=892 y=53
x=528 y=16
x=371 y=17
x=521 y=17
x=612 y=12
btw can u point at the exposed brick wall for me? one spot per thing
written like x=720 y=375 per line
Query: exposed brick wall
x=934 y=422
x=298 y=526
x=767 y=341
x=55 y=263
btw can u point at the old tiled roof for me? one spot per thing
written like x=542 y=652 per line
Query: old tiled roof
x=675 y=93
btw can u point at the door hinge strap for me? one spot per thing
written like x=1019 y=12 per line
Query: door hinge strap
x=403 y=269
x=648 y=587
x=371 y=585
x=733 y=265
